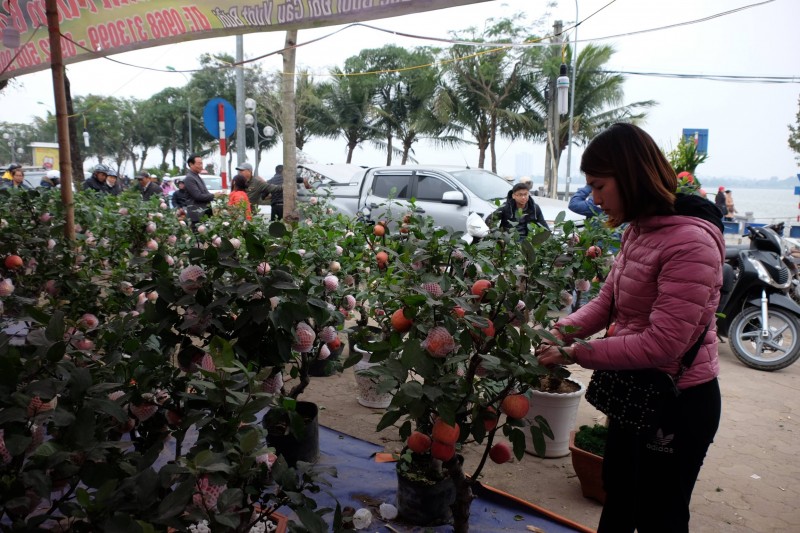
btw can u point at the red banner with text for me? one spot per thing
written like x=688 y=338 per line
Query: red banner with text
x=97 y=28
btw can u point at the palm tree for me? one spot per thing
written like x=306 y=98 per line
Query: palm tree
x=599 y=97
x=347 y=109
x=486 y=89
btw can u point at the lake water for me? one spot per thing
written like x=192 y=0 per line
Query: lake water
x=767 y=205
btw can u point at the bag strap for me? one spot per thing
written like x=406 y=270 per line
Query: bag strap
x=688 y=358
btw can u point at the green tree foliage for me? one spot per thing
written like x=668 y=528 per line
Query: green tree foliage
x=24 y=135
x=794 y=134
x=685 y=157
x=347 y=108
x=485 y=88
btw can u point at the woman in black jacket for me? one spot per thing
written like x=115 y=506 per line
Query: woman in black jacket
x=519 y=208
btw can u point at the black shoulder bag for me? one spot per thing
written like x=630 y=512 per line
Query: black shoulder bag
x=635 y=399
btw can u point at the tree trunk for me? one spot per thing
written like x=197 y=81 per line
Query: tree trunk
x=351 y=147
x=388 y=149
x=289 y=127
x=492 y=138
x=74 y=147
x=464 y=495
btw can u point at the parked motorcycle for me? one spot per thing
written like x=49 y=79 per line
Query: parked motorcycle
x=759 y=318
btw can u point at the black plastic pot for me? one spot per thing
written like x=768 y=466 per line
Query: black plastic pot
x=295 y=448
x=425 y=504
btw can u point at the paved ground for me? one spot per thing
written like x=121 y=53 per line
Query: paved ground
x=750 y=482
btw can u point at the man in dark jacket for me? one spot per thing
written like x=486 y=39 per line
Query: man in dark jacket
x=146 y=184
x=519 y=208
x=199 y=197
x=276 y=198
x=51 y=180
x=97 y=181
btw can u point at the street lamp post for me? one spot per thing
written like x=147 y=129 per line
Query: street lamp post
x=251 y=121
x=572 y=99
x=188 y=106
x=11 y=139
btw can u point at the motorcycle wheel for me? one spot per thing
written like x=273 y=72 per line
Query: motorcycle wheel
x=779 y=350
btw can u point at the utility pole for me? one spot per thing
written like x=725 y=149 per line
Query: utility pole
x=553 y=125
x=289 y=126
x=241 y=131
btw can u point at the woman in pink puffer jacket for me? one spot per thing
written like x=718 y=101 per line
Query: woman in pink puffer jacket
x=662 y=292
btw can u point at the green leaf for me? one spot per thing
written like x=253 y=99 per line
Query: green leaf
x=517 y=438
x=311 y=520
x=388 y=418
x=104 y=405
x=56 y=327
x=277 y=229
x=177 y=500
x=249 y=440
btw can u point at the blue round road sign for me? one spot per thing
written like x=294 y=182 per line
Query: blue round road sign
x=211 y=117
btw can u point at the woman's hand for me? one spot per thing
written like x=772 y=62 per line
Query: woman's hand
x=551 y=355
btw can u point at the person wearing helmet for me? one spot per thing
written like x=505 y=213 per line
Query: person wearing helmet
x=9 y=173
x=180 y=198
x=112 y=182
x=97 y=181
x=51 y=180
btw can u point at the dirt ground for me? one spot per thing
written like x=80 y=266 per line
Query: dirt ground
x=749 y=483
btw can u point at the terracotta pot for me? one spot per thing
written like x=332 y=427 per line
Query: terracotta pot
x=589 y=468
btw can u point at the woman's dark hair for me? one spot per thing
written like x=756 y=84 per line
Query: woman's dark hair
x=239 y=183
x=645 y=179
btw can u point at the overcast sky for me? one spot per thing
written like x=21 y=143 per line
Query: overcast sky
x=747 y=122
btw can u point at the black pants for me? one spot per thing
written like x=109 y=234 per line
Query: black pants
x=649 y=478
x=277 y=212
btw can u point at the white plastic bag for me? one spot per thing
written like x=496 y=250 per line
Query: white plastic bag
x=476 y=227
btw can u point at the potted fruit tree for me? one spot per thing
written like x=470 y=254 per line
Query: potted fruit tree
x=472 y=316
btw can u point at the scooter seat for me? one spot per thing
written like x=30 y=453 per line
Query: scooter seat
x=732 y=251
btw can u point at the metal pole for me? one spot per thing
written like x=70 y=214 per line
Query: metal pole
x=258 y=149
x=241 y=131
x=572 y=100
x=189 y=118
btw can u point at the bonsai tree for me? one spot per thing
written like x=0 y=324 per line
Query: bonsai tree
x=465 y=321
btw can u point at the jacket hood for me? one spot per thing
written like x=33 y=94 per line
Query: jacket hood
x=696 y=206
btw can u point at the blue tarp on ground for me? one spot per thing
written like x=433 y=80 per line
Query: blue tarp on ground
x=361 y=479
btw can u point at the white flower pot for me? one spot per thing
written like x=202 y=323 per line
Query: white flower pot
x=368 y=394
x=560 y=411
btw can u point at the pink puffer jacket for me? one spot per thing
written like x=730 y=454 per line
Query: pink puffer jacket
x=666 y=282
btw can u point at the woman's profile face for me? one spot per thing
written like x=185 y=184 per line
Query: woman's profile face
x=606 y=195
x=18 y=177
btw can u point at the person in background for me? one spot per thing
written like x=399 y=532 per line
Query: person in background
x=520 y=208
x=148 y=187
x=9 y=171
x=238 y=196
x=719 y=201
x=730 y=210
x=526 y=180
x=112 y=181
x=276 y=198
x=17 y=180
x=582 y=203
x=199 y=197
x=51 y=179
x=167 y=185
x=180 y=198
x=662 y=295
x=97 y=181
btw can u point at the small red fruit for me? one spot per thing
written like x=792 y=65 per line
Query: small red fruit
x=490 y=418
x=515 y=406
x=400 y=322
x=459 y=312
x=594 y=251
x=439 y=342
x=379 y=230
x=382 y=258
x=442 y=451
x=500 y=453
x=444 y=432
x=418 y=442
x=13 y=262
x=488 y=330
x=334 y=345
x=480 y=287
